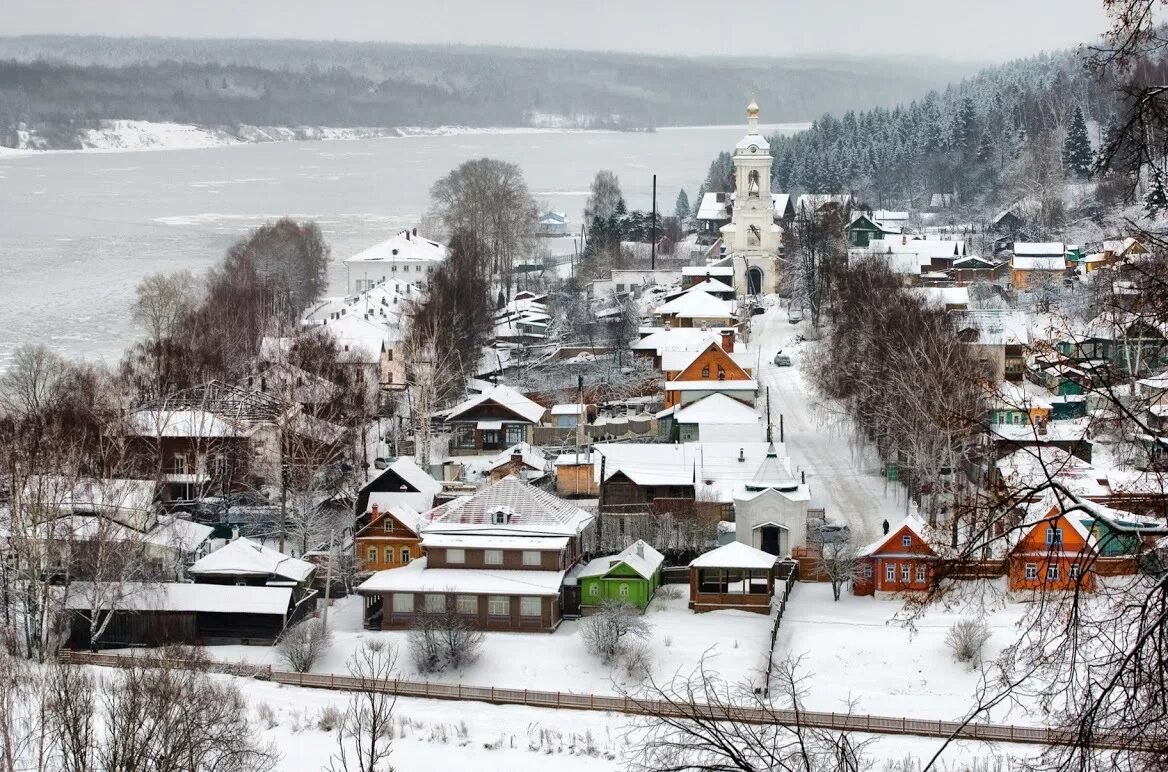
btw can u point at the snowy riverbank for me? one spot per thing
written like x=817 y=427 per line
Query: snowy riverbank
x=123 y=136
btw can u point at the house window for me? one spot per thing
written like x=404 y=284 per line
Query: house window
x=178 y=463
x=706 y=371
x=515 y=433
x=499 y=605
x=906 y=541
x=386 y=524
x=455 y=556
x=371 y=554
x=890 y=572
x=1030 y=571
x=499 y=518
x=721 y=373
x=435 y=602
x=530 y=607
x=1074 y=571
x=403 y=602
x=393 y=269
x=531 y=558
x=417 y=269
x=906 y=573
x=468 y=604
x=1054 y=536
x=405 y=556
x=464 y=436
x=493 y=557
x=389 y=555
x=594 y=589
x=1052 y=572
x=920 y=574
x=624 y=590
x=867 y=571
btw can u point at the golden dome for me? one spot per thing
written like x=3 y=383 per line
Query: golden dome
x=752 y=108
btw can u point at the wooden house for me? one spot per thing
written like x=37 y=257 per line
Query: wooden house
x=696 y=308
x=905 y=560
x=631 y=576
x=246 y=562
x=692 y=375
x=160 y=614
x=1056 y=552
x=1120 y=249
x=733 y=576
x=1036 y=263
x=402 y=482
x=520 y=460
x=497 y=558
x=390 y=538
x=1007 y=221
x=864 y=228
x=492 y=421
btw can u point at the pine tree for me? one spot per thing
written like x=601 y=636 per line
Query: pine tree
x=1156 y=199
x=681 y=209
x=1077 y=154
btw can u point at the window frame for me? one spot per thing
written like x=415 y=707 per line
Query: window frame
x=455 y=555
x=1052 y=572
x=922 y=574
x=399 y=608
x=906 y=540
x=371 y=553
x=434 y=603
x=467 y=605
x=890 y=572
x=492 y=607
x=1030 y=571
x=488 y=556
x=530 y=562
x=526 y=601
x=905 y=573
x=406 y=556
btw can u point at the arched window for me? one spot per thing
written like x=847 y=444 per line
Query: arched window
x=752 y=185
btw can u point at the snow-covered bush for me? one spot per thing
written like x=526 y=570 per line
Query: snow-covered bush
x=670 y=592
x=266 y=715
x=605 y=633
x=638 y=659
x=443 y=640
x=300 y=646
x=966 y=638
x=329 y=718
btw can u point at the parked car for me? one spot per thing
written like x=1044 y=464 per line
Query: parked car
x=381 y=463
x=794 y=316
x=782 y=360
x=828 y=533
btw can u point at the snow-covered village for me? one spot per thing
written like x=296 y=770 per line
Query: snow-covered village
x=537 y=394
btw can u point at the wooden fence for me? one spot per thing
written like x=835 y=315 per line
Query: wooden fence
x=844 y=722
x=788 y=583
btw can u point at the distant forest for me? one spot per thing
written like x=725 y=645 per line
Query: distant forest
x=1018 y=130
x=57 y=85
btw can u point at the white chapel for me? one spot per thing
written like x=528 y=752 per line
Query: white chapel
x=752 y=238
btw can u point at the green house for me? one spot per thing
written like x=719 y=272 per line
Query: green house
x=1112 y=542
x=631 y=576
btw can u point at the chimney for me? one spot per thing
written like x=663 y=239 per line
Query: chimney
x=517 y=455
x=640 y=549
x=728 y=340
x=741 y=455
x=373 y=512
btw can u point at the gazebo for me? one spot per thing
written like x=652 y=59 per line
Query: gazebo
x=734 y=576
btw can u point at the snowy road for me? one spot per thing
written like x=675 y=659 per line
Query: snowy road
x=844 y=481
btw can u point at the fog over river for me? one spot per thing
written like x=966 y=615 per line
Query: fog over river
x=79 y=229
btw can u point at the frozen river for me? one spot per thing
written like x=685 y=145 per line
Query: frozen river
x=78 y=230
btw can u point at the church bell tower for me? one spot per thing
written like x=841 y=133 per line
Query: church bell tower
x=752 y=238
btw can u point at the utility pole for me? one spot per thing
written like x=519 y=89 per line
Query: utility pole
x=653 y=234
x=328 y=582
x=579 y=421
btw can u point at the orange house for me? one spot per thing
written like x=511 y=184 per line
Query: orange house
x=713 y=365
x=390 y=540
x=905 y=560
x=1055 y=553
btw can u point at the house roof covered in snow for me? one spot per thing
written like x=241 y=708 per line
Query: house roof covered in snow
x=1040 y=249
x=520 y=507
x=532 y=457
x=697 y=305
x=400 y=248
x=711 y=285
x=676 y=339
x=1028 y=263
x=506 y=397
x=182 y=596
x=417 y=577
x=718 y=409
x=994 y=327
x=734 y=555
x=707 y=270
x=393 y=505
x=503 y=542
x=711 y=385
x=638 y=556
x=730 y=467
x=569 y=408
x=183 y=423
x=244 y=557
x=914 y=524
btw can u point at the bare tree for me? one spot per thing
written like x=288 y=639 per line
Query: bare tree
x=837 y=561
x=489 y=200
x=443 y=640
x=700 y=722
x=301 y=645
x=162 y=304
x=967 y=637
x=603 y=197
x=607 y=632
x=434 y=376
x=365 y=733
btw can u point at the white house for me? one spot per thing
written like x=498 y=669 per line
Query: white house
x=407 y=257
x=770 y=509
x=552 y=224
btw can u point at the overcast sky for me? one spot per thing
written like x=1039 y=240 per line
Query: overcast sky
x=984 y=30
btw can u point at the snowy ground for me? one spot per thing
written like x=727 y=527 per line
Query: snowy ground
x=844 y=480
x=735 y=644
x=437 y=735
x=861 y=649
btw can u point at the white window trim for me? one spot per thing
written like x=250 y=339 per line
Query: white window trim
x=488 y=554
x=456 y=556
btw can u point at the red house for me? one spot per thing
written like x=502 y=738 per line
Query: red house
x=905 y=560
x=1054 y=553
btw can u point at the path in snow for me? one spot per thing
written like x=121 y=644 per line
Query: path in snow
x=852 y=493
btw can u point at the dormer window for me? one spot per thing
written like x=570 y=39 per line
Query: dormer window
x=906 y=540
